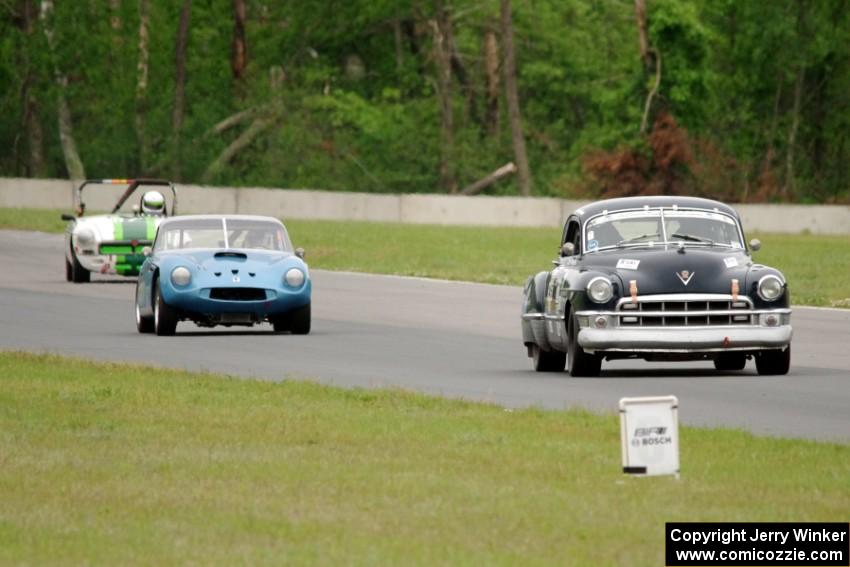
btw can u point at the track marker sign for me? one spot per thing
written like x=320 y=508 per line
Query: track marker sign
x=649 y=433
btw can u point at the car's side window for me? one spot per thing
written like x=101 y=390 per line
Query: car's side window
x=573 y=234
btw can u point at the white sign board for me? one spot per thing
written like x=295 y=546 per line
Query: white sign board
x=649 y=430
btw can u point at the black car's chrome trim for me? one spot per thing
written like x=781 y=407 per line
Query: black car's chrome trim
x=684 y=340
x=532 y=316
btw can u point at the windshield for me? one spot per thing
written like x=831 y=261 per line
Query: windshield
x=223 y=233
x=651 y=227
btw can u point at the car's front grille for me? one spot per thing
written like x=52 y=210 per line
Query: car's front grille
x=238 y=293
x=123 y=247
x=692 y=310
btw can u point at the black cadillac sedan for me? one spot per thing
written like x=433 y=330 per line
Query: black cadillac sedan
x=656 y=278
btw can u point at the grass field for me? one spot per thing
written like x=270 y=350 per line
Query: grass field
x=816 y=266
x=105 y=463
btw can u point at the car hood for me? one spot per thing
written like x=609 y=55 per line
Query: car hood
x=119 y=227
x=218 y=267
x=658 y=269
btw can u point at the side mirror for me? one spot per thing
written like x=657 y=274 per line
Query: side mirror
x=568 y=249
x=68 y=217
x=755 y=244
x=300 y=253
x=146 y=251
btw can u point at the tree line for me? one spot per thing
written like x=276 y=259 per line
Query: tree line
x=740 y=100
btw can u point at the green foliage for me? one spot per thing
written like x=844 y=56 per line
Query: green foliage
x=358 y=106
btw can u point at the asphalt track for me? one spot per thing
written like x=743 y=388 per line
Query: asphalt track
x=452 y=339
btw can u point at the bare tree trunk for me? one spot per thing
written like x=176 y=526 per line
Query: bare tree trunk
x=643 y=37
x=788 y=186
x=142 y=84
x=491 y=73
x=36 y=166
x=512 y=96
x=180 y=86
x=244 y=140
x=477 y=187
x=399 y=46
x=239 y=55
x=115 y=14
x=442 y=29
x=73 y=163
x=651 y=59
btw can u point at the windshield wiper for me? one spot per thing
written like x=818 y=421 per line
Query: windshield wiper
x=692 y=238
x=641 y=237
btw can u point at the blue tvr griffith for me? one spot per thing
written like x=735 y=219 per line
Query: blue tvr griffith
x=223 y=270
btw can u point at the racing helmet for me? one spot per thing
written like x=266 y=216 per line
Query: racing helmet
x=153 y=203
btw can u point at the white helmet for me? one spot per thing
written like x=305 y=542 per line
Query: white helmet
x=153 y=203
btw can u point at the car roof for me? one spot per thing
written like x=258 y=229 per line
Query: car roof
x=621 y=203
x=183 y=218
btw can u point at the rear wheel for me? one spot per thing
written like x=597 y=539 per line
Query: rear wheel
x=579 y=362
x=76 y=271
x=551 y=361
x=730 y=361
x=774 y=362
x=164 y=317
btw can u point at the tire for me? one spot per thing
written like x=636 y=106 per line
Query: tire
x=773 y=362
x=551 y=361
x=143 y=324
x=68 y=270
x=730 y=361
x=280 y=323
x=579 y=363
x=77 y=272
x=164 y=317
x=299 y=320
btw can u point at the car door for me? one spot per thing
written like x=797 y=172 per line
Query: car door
x=559 y=286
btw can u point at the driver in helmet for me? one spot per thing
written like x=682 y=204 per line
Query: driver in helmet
x=153 y=203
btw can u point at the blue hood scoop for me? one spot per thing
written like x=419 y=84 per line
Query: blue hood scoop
x=231 y=255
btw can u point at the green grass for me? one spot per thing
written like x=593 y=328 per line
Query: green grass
x=816 y=266
x=117 y=464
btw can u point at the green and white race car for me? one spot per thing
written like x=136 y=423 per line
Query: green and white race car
x=114 y=243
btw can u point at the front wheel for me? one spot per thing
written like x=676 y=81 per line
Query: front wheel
x=551 y=361
x=299 y=320
x=143 y=324
x=774 y=362
x=579 y=362
x=164 y=317
x=75 y=272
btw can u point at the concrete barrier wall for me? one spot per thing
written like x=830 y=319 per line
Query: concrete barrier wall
x=413 y=209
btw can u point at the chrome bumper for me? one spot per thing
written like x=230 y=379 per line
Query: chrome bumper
x=685 y=339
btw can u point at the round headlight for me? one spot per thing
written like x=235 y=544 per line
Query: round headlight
x=85 y=237
x=770 y=288
x=600 y=289
x=181 y=276
x=294 y=277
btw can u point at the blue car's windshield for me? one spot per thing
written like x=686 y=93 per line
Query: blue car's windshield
x=650 y=227
x=243 y=234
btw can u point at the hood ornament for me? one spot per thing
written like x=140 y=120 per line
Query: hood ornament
x=685 y=276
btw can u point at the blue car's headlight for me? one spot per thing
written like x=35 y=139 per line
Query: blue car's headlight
x=181 y=276
x=294 y=278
